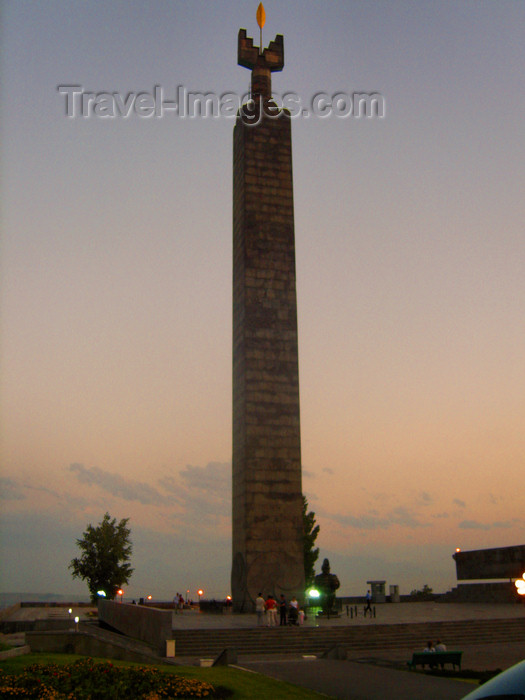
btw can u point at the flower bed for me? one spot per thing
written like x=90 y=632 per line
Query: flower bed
x=86 y=679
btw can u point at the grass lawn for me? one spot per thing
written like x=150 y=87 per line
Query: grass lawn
x=243 y=684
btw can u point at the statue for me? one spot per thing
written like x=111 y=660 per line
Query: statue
x=327 y=584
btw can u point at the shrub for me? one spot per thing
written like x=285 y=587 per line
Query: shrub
x=86 y=679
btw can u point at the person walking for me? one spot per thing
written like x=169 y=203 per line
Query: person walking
x=271 y=610
x=368 y=607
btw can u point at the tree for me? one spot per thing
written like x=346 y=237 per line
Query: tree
x=310 y=532
x=424 y=594
x=106 y=549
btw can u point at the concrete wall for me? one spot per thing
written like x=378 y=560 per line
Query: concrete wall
x=16 y=626
x=493 y=592
x=150 y=625
x=88 y=643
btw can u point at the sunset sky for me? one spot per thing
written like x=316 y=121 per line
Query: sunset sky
x=116 y=286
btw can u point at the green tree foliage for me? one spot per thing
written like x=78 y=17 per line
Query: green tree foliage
x=310 y=532
x=106 y=551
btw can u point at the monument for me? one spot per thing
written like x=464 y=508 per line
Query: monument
x=485 y=566
x=327 y=584
x=268 y=553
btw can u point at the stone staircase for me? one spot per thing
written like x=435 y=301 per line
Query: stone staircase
x=361 y=638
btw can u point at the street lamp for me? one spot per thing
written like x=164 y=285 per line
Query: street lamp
x=199 y=593
x=120 y=593
x=520 y=585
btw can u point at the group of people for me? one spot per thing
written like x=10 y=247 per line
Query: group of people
x=431 y=648
x=178 y=601
x=288 y=614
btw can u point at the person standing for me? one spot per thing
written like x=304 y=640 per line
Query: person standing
x=293 y=612
x=282 y=610
x=259 y=609
x=271 y=610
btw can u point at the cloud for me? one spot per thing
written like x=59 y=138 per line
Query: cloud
x=362 y=522
x=118 y=485
x=473 y=525
x=196 y=498
x=214 y=475
x=204 y=494
x=327 y=470
x=201 y=485
x=10 y=490
x=425 y=498
x=402 y=516
x=459 y=502
x=476 y=525
x=373 y=521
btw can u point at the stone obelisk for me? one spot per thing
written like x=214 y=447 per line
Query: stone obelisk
x=268 y=554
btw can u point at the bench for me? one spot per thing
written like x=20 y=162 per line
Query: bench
x=435 y=658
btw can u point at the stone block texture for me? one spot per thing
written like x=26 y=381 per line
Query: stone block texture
x=267 y=491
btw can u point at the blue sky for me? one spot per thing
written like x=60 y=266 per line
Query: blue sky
x=116 y=286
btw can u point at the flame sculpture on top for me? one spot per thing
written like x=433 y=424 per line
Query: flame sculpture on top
x=262 y=62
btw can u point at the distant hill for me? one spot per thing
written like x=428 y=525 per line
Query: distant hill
x=7 y=599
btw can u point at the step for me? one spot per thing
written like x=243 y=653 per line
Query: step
x=315 y=640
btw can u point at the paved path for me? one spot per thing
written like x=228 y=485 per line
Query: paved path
x=350 y=680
